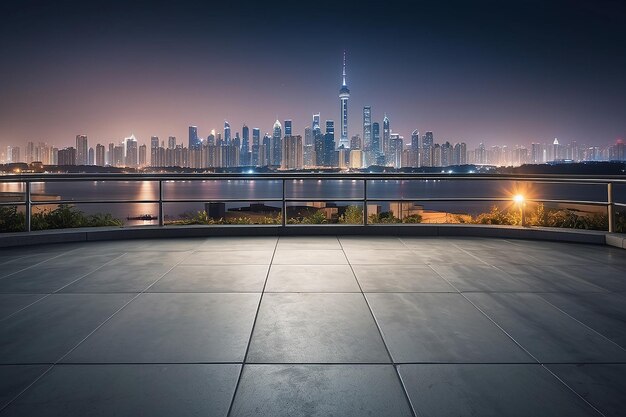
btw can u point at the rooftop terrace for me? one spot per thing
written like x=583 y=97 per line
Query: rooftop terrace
x=313 y=326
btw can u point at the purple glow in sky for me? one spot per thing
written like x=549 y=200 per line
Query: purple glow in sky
x=468 y=71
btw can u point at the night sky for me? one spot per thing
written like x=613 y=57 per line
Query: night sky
x=501 y=72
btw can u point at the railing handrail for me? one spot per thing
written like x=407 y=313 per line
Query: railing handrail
x=29 y=178
x=557 y=178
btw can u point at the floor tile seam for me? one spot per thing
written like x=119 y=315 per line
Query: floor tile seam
x=39 y=263
x=43 y=296
x=110 y=317
x=88 y=273
x=491 y=320
x=534 y=275
x=382 y=338
x=568 y=387
x=470 y=254
x=19 y=394
x=254 y=321
x=582 y=323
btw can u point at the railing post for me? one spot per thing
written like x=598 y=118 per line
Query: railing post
x=364 y=202
x=284 y=209
x=28 y=207
x=161 y=221
x=610 y=207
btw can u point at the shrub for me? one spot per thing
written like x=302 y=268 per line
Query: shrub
x=11 y=220
x=62 y=217
x=352 y=215
x=384 y=217
x=413 y=218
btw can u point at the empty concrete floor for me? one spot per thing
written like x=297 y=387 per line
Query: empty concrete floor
x=313 y=326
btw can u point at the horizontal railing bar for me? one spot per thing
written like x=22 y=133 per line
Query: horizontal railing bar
x=551 y=178
x=13 y=203
x=312 y=199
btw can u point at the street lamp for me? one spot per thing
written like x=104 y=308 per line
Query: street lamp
x=519 y=200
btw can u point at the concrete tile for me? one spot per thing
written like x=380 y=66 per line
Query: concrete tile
x=382 y=257
x=371 y=242
x=248 y=243
x=15 y=378
x=446 y=257
x=10 y=303
x=233 y=257
x=174 y=328
x=161 y=245
x=130 y=390
x=311 y=278
x=471 y=244
x=47 y=330
x=605 y=313
x=489 y=390
x=606 y=277
x=308 y=243
x=427 y=327
x=547 y=333
x=43 y=279
x=554 y=278
x=486 y=278
x=118 y=278
x=604 y=386
x=75 y=260
x=320 y=390
x=315 y=328
x=309 y=257
x=400 y=278
x=151 y=258
x=213 y=278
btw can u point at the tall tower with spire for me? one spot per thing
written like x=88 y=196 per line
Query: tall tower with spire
x=344 y=95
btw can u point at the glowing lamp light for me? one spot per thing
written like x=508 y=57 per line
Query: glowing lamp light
x=518 y=198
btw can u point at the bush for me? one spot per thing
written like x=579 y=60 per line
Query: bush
x=384 y=217
x=413 y=218
x=11 y=220
x=352 y=215
x=201 y=217
x=62 y=217
x=497 y=216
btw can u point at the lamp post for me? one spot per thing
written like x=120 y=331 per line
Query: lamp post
x=519 y=200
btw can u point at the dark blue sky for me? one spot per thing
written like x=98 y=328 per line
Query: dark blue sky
x=494 y=71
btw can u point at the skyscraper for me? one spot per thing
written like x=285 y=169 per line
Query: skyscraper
x=427 y=149
x=171 y=142
x=386 y=137
x=288 y=127
x=414 y=159
x=100 y=150
x=367 y=127
x=226 y=132
x=376 y=139
x=292 y=152
x=194 y=141
x=131 y=152
x=277 y=144
x=329 y=143
x=316 y=123
x=256 y=146
x=154 y=151
x=344 y=95
x=245 y=145
x=82 y=150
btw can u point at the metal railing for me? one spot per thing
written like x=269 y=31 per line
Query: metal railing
x=28 y=180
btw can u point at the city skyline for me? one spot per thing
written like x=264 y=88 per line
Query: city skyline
x=472 y=74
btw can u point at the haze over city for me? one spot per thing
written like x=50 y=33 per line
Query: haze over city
x=502 y=74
